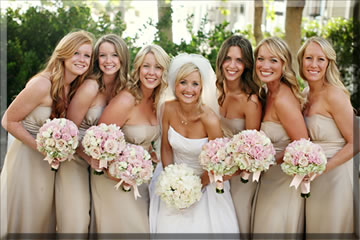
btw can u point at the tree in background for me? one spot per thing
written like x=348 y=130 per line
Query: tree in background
x=164 y=24
x=32 y=35
x=293 y=19
x=258 y=12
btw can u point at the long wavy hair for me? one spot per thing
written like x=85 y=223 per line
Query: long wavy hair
x=162 y=58
x=279 y=48
x=122 y=76
x=55 y=67
x=246 y=84
x=332 y=75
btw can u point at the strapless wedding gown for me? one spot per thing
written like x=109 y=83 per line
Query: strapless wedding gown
x=214 y=213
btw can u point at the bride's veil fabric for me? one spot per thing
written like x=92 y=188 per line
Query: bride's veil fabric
x=209 y=92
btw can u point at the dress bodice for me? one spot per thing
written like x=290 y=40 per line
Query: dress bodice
x=277 y=134
x=323 y=131
x=91 y=119
x=141 y=134
x=233 y=126
x=186 y=150
x=34 y=120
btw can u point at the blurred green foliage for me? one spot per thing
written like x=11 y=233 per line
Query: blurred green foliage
x=33 y=34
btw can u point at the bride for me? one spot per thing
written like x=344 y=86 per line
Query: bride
x=189 y=119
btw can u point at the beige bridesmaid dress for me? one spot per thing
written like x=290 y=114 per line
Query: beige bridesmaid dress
x=117 y=211
x=242 y=193
x=72 y=186
x=329 y=209
x=27 y=184
x=277 y=207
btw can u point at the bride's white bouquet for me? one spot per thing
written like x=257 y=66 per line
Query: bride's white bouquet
x=178 y=186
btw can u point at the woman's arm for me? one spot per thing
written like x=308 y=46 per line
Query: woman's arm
x=79 y=106
x=23 y=105
x=288 y=110
x=253 y=112
x=339 y=106
x=118 y=110
x=166 y=150
x=82 y=100
x=212 y=124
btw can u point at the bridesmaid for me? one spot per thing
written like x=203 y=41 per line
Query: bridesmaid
x=279 y=208
x=109 y=76
x=134 y=110
x=240 y=109
x=27 y=183
x=329 y=118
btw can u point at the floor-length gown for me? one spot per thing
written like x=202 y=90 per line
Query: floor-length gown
x=214 y=213
x=329 y=209
x=72 y=186
x=27 y=184
x=242 y=193
x=277 y=207
x=117 y=211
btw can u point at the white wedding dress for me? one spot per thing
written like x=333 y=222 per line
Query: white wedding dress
x=214 y=213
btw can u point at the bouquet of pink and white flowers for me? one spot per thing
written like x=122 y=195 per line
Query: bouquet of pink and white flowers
x=134 y=167
x=252 y=151
x=58 y=138
x=303 y=157
x=214 y=159
x=178 y=186
x=103 y=143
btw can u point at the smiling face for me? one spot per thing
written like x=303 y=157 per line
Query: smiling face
x=233 y=65
x=79 y=63
x=188 y=89
x=109 y=61
x=150 y=72
x=268 y=66
x=314 y=63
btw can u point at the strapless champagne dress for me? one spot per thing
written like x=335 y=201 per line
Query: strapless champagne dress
x=277 y=207
x=117 y=211
x=27 y=184
x=72 y=189
x=242 y=193
x=329 y=209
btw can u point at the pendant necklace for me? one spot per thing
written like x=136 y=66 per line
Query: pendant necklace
x=182 y=119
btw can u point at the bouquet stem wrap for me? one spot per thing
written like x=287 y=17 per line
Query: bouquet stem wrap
x=305 y=186
x=136 y=190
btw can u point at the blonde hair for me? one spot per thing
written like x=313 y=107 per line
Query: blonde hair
x=247 y=85
x=184 y=71
x=134 y=82
x=64 y=50
x=332 y=75
x=122 y=51
x=279 y=48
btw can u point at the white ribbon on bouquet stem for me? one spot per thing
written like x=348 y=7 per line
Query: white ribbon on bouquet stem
x=215 y=178
x=103 y=163
x=136 y=190
x=256 y=176
x=305 y=186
